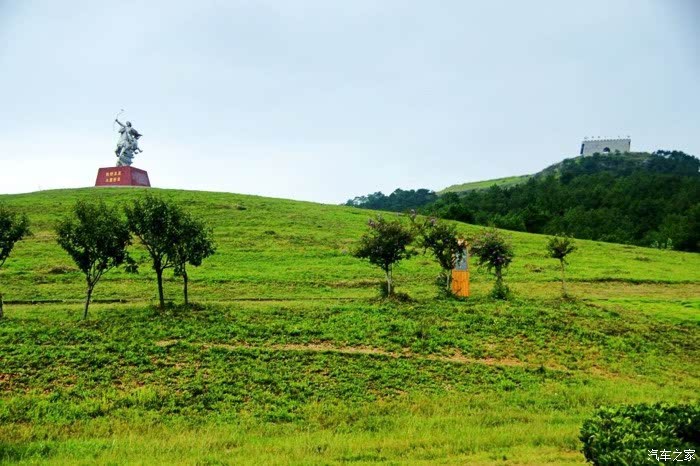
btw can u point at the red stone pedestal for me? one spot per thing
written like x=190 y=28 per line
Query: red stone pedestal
x=122 y=176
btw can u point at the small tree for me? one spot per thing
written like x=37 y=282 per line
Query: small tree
x=196 y=244
x=495 y=252
x=95 y=237
x=559 y=247
x=384 y=245
x=156 y=222
x=442 y=241
x=13 y=227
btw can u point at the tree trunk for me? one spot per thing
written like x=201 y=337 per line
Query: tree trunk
x=1 y=307
x=563 y=280
x=87 y=300
x=161 y=297
x=448 y=280
x=388 y=281
x=185 y=279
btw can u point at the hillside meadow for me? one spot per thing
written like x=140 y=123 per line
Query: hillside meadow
x=288 y=357
x=501 y=182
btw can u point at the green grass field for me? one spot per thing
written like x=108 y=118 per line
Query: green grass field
x=471 y=186
x=289 y=357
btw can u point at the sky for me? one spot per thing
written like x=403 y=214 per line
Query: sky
x=325 y=100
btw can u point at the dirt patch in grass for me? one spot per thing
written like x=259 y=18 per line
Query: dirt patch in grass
x=457 y=357
x=166 y=343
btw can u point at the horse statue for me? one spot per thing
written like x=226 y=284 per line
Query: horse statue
x=128 y=144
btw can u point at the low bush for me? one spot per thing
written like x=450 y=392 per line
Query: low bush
x=634 y=434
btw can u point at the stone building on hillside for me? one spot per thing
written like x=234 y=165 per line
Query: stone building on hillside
x=605 y=146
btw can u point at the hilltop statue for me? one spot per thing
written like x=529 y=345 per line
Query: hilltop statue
x=128 y=144
x=123 y=174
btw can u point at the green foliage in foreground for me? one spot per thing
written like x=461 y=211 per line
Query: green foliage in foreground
x=288 y=357
x=353 y=370
x=626 y=434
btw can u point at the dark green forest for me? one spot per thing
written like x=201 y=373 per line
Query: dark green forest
x=637 y=198
x=397 y=201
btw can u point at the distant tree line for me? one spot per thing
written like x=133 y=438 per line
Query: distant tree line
x=643 y=199
x=398 y=201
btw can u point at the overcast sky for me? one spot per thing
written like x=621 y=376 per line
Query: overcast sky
x=324 y=100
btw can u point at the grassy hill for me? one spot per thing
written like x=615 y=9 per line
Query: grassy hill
x=502 y=182
x=290 y=359
x=627 y=161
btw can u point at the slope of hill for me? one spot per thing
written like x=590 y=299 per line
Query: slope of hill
x=617 y=163
x=632 y=198
x=290 y=359
x=502 y=182
x=643 y=199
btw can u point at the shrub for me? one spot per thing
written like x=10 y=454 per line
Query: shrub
x=13 y=227
x=156 y=223
x=559 y=247
x=384 y=245
x=628 y=434
x=495 y=252
x=196 y=244
x=95 y=237
x=441 y=239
